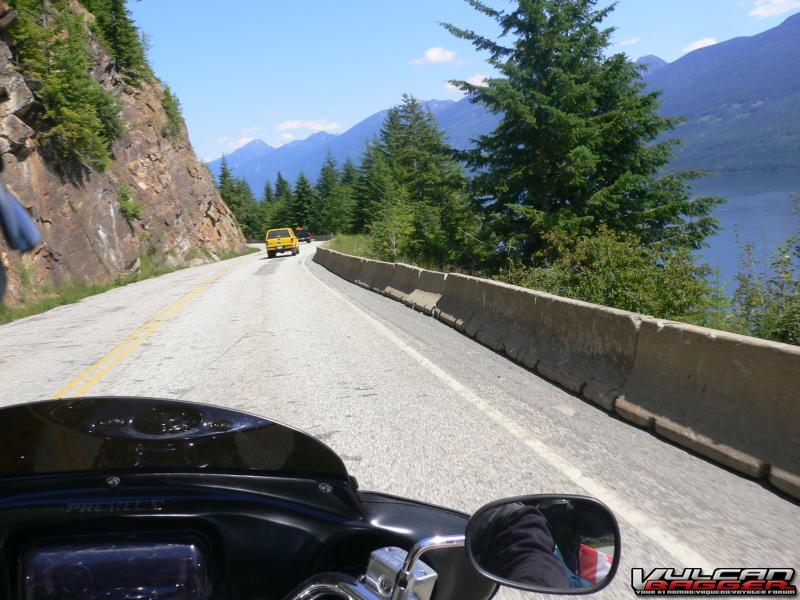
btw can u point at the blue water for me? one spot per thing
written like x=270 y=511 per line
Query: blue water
x=760 y=210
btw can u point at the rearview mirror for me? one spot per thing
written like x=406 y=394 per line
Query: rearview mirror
x=543 y=543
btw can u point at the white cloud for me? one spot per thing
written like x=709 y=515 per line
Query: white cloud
x=770 y=8
x=449 y=87
x=310 y=125
x=435 y=56
x=701 y=43
x=630 y=42
x=287 y=135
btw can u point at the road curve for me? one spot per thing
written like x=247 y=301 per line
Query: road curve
x=413 y=407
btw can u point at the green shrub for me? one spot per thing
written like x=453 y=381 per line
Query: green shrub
x=766 y=303
x=615 y=269
x=129 y=205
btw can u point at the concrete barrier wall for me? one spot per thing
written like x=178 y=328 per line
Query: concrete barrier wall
x=731 y=398
x=460 y=300
x=403 y=282
x=586 y=348
x=428 y=292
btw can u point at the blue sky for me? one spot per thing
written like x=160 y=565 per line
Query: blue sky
x=279 y=71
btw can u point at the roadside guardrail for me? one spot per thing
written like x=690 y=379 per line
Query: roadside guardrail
x=731 y=398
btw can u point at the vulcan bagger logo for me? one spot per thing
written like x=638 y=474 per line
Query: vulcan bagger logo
x=721 y=582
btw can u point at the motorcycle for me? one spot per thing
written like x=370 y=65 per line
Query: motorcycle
x=140 y=498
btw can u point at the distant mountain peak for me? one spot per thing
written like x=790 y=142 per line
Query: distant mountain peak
x=256 y=145
x=652 y=62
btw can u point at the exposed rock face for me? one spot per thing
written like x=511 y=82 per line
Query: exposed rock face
x=86 y=237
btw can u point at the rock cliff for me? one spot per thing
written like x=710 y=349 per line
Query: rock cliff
x=86 y=236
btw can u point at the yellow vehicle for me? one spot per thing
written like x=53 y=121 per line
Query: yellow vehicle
x=282 y=240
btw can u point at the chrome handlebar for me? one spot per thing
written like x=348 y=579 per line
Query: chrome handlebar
x=392 y=574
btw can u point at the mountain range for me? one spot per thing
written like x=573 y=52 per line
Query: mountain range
x=740 y=100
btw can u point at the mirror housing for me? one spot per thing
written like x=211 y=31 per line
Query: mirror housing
x=554 y=544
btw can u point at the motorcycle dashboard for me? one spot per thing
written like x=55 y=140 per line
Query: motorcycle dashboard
x=174 y=567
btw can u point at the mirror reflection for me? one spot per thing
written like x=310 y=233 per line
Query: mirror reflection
x=545 y=543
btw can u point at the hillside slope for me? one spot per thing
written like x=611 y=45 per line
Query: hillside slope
x=86 y=237
x=741 y=101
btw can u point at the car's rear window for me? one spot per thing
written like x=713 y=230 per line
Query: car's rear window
x=300 y=232
x=278 y=233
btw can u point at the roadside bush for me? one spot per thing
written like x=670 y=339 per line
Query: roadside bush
x=766 y=303
x=615 y=269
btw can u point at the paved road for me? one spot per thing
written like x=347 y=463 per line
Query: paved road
x=414 y=407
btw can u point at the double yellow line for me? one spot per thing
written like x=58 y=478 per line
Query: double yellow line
x=93 y=374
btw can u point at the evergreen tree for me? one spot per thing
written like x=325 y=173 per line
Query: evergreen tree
x=269 y=194
x=283 y=190
x=236 y=193
x=370 y=186
x=575 y=149
x=349 y=174
x=266 y=207
x=116 y=29
x=302 y=201
x=79 y=119
x=321 y=210
x=225 y=176
x=422 y=164
x=282 y=215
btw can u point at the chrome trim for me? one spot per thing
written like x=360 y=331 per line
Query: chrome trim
x=347 y=590
x=402 y=590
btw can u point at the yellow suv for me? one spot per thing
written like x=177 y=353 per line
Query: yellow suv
x=282 y=240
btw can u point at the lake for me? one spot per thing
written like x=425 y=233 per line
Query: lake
x=760 y=210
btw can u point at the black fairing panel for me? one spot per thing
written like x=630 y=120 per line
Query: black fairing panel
x=92 y=434
x=266 y=534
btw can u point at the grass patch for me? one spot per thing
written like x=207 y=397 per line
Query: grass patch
x=150 y=267
x=357 y=245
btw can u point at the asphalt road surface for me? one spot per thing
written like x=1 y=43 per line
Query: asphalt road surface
x=412 y=406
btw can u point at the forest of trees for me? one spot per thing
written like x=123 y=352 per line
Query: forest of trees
x=566 y=195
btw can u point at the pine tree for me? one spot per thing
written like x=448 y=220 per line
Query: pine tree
x=576 y=148
x=225 y=176
x=321 y=212
x=269 y=194
x=420 y=161
x=283 y=190
x=282 y=213
x=374 y=179
x=349 y=174
x=236 y=193
x=116 y=29
x=302 y=201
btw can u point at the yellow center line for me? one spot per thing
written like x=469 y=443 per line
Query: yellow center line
x=97 y=371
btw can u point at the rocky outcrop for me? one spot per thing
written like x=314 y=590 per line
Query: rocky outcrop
x=86 y=236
